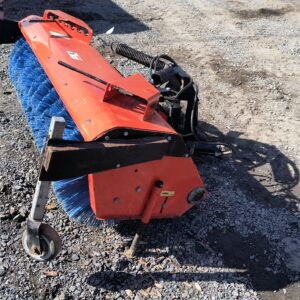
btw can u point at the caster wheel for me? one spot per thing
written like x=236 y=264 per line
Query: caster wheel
x=50 y=244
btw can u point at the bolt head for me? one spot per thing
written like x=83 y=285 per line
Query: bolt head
x=159 y=184
x=117 y=200
x=138 y=189
x=196 y=196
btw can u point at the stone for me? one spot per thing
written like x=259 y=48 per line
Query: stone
x=75 y=257
x=2 y=271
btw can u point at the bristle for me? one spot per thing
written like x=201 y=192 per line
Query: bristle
x=40 y=102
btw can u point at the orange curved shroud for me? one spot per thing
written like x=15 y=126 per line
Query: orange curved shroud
x=97 y=109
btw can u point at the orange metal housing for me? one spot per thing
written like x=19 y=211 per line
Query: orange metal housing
x=97 y=109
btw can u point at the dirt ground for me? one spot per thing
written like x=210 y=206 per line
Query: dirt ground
x=243 y=242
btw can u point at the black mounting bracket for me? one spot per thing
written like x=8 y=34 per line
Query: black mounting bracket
x=67 y=159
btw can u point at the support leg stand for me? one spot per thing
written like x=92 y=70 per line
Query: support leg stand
x=40 y=240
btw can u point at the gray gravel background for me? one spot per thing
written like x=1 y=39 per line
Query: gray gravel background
x=243 y=241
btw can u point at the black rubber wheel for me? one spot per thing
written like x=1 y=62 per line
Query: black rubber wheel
x=50 y=242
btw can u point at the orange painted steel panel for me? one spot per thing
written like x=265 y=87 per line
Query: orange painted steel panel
x=82 y=96
x=123 y=193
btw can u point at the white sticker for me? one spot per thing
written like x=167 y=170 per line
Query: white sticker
x=59 y=35
x=74 y=55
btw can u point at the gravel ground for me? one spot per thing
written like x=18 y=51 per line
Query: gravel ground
x=243 y=241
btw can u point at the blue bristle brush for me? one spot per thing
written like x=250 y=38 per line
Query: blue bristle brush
x=40 y=102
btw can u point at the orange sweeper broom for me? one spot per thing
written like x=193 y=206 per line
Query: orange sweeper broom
x=113 y=147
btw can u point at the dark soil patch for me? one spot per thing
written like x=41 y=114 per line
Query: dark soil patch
x=260 y=13
x=234 y=75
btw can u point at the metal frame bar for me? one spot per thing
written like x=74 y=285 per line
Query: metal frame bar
x=41 y=194
x=42 y=189
x=60 y=160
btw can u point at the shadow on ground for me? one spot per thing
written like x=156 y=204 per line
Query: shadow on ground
x=251 y=257
x=100 y=15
